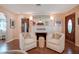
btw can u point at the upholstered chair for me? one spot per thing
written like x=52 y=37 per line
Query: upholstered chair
x=56 y=41
x=27 y=41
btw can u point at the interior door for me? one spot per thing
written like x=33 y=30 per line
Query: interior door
x=70 y=27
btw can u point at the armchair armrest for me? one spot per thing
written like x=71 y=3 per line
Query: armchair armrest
x=62 y=39
x=49 y=36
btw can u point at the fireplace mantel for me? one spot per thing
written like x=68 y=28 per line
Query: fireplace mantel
x=41 y=34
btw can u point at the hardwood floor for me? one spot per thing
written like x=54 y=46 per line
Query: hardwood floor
x=14 y=45
x=69 y=49
x=5 y=47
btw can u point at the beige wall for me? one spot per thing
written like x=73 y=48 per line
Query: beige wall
x=13 y=33
x=9 y=15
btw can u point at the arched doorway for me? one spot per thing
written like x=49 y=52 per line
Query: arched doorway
x=3 y=26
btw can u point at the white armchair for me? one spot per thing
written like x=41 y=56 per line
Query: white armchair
x=27 y=41
x=56 y=42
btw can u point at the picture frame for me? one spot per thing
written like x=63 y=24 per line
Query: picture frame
x=58 y=22
x=12 y=24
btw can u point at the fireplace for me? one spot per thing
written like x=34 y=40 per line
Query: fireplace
x=41 y=34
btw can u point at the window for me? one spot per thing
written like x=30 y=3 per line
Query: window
x=70 y=26
x=2 y=22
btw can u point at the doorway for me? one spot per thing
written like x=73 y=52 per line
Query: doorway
x=70 y=28
x=25 y=25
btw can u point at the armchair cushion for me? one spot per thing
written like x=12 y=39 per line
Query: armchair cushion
x=29 y=41
x=56 y=36
x=26 y=35
x=54 y=41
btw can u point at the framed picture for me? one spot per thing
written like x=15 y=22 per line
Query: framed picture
x=12 y=24
x=58 y=22
x=78 y=21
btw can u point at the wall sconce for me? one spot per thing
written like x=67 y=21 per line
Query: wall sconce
x=31 y=18
x=51 y=17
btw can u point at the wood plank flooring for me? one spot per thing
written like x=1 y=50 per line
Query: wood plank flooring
x=69 y=49
x=14 y=45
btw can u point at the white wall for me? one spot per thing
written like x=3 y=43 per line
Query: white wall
x=58 y=26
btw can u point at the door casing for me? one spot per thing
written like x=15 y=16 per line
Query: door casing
x=70 y=36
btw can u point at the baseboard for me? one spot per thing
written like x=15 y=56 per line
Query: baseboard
x=20 y=51
x=70 y=42
x=9 y=40
x=77 y=45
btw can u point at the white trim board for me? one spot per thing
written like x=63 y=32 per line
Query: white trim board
x=7 y=41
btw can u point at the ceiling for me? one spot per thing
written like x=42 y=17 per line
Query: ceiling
x=39 y=9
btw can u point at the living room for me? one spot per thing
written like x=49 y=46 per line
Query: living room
x=39 y=28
